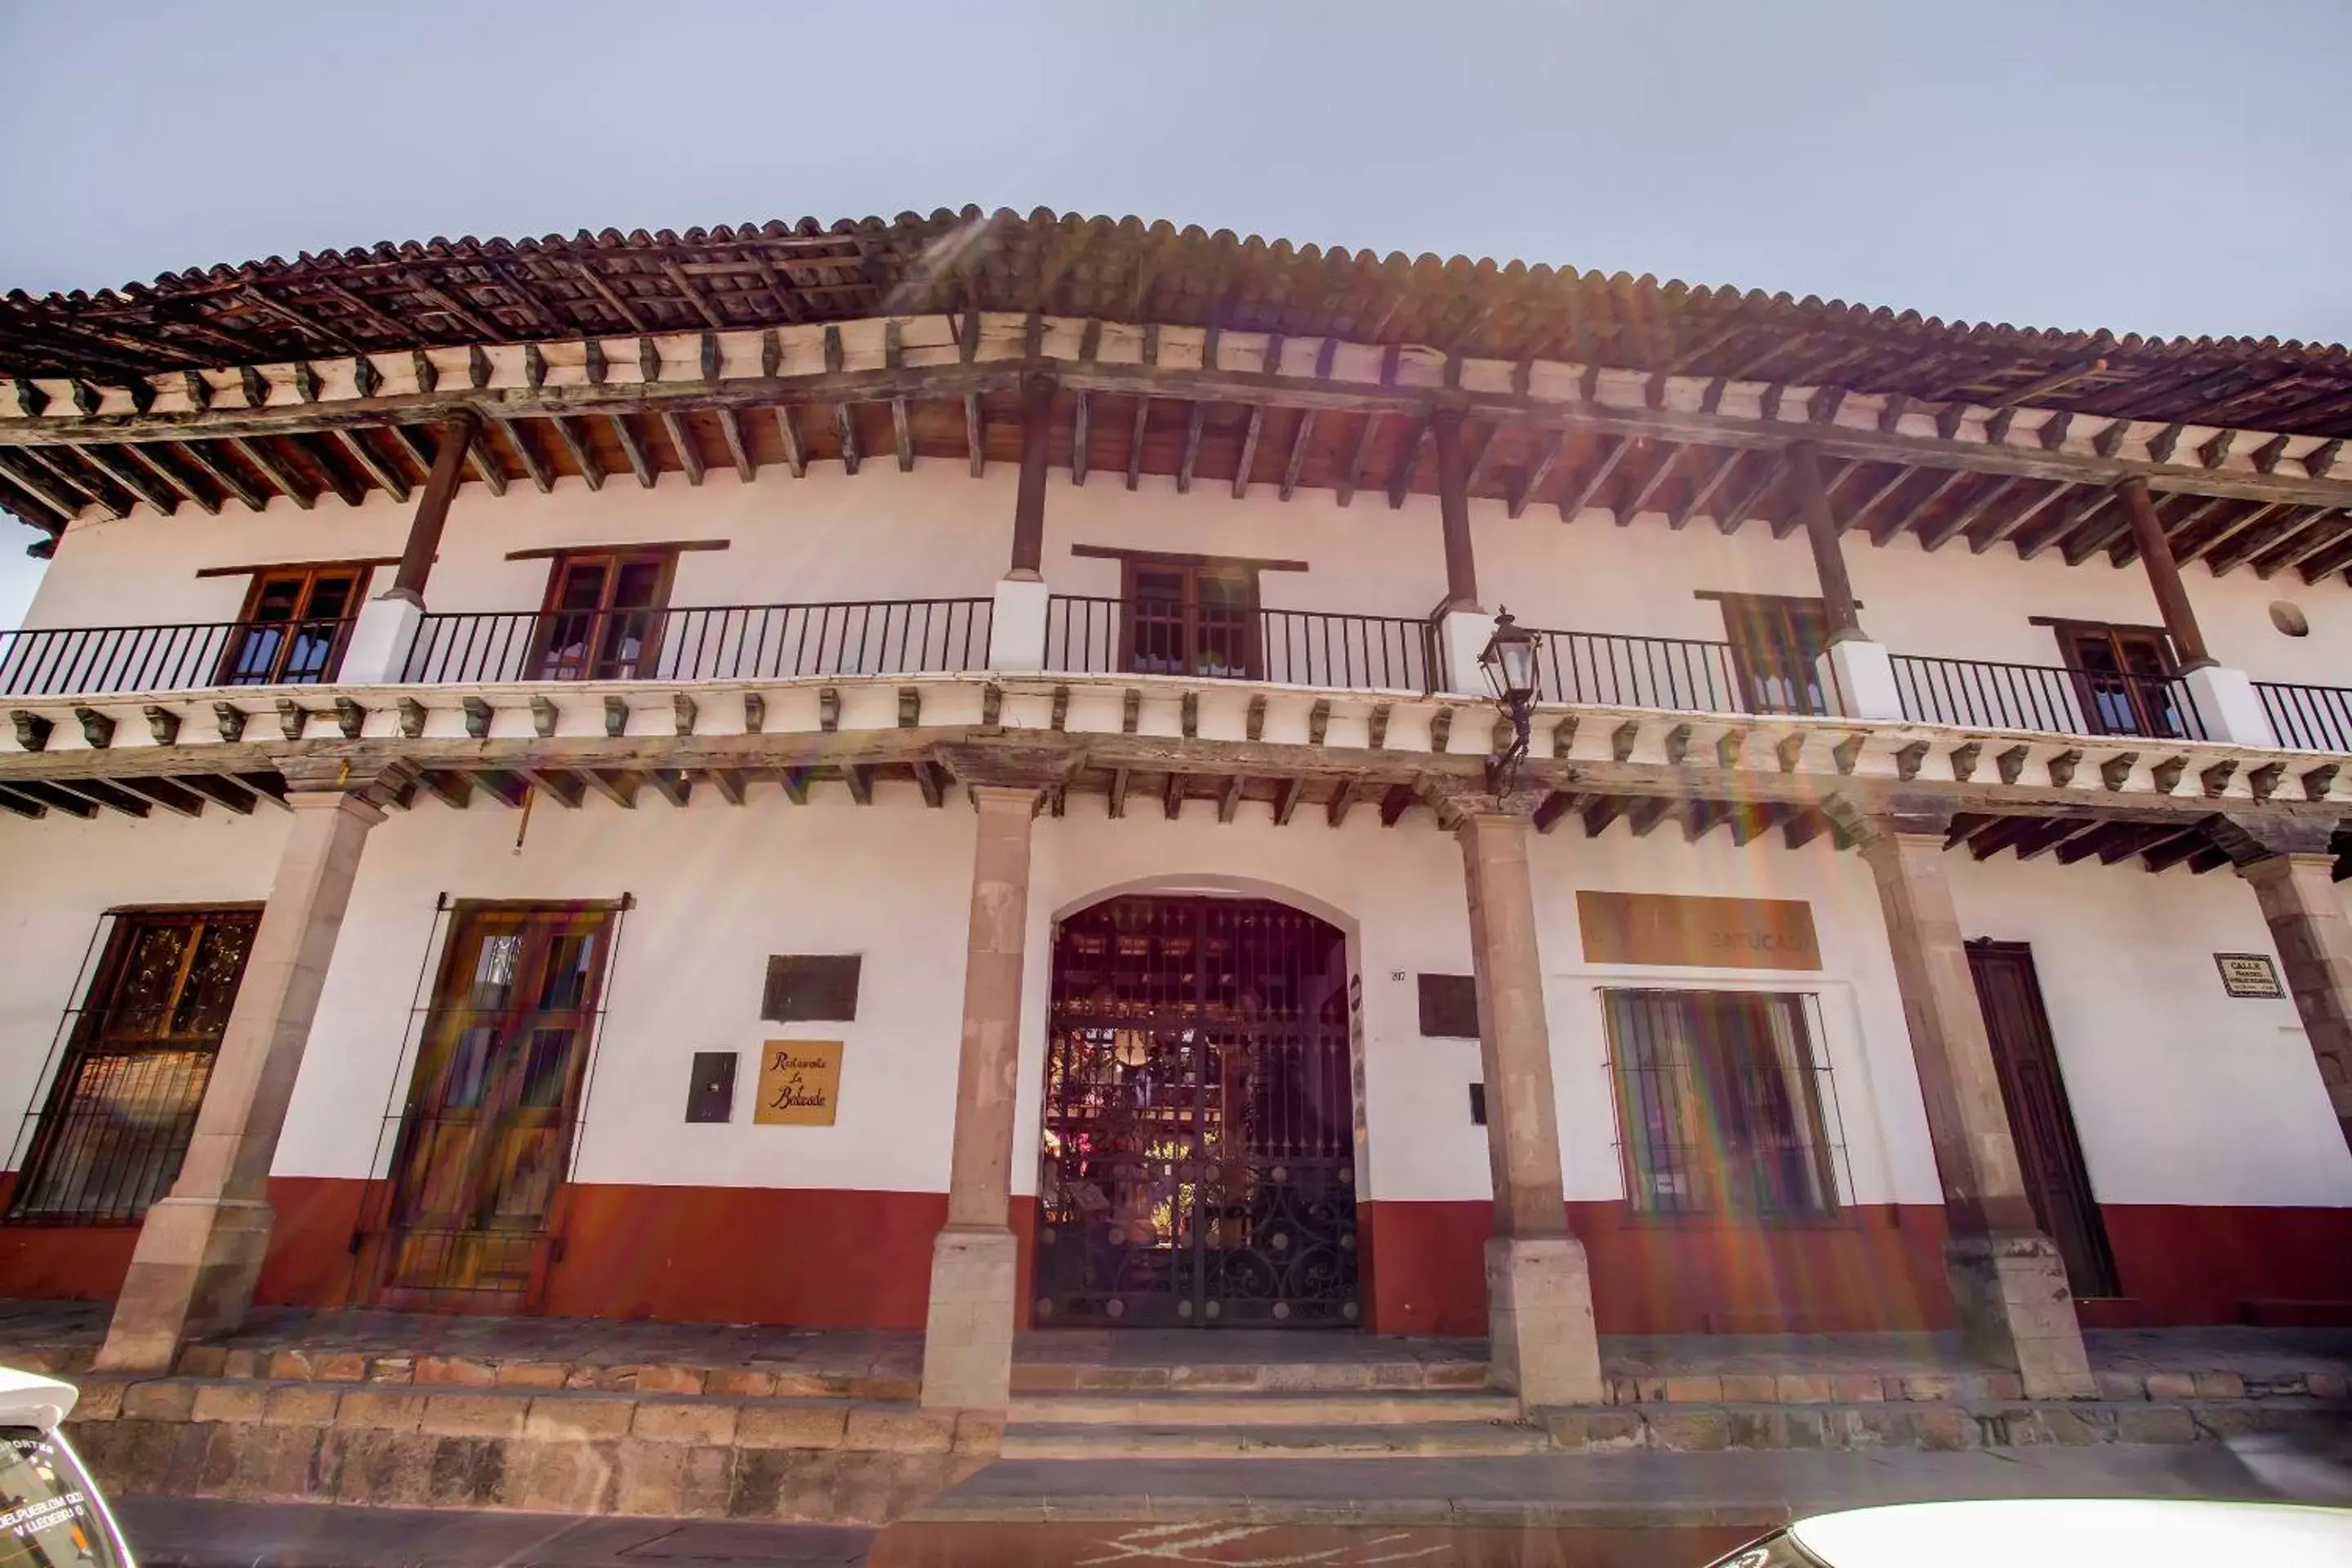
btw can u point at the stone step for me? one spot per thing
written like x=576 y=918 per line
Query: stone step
x=1441 y=1439
x=1219 y=1408
x=666 y=1377
x=1248 y=1377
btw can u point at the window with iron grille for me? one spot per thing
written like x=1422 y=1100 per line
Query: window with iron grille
x=124 y=1103
x=1719 y=1103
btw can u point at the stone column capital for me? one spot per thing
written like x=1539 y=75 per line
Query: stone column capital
x=1013 y=799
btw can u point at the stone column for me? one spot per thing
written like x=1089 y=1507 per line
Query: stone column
x=1541 y=1340
x=200 y=1251
x=2008 y=1279
x=968 y=1331
x=2298 y=892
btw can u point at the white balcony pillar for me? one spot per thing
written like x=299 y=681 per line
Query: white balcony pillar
x=382 y=635
x=1861 y=673
x=1016 y=624
x=1462 y=633
x=2229 y=705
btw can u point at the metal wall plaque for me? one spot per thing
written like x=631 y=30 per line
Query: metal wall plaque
x=2249 y=974
x=710 y=1093
x=1719 y=933
x=800 y=1083
x=1449 y=1005
x=806 y=987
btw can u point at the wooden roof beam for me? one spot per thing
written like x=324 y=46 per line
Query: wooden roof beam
x=1362 y=456
x=641 y=461
x=274 y=469
x=230 y=482
x=1301 y=438
x=483 y=458
x=2322 y=532
x=2248 y=543
x=737 y=437
x=576 y=446
x=1893 y=521
x=348 y=491
x=534 y=462
x=389 y=475
x=1629 y=507
x=788 y=432
x=132 y=477
x=1528 y=486
x=70 y=479
x=1579 y=494
x=1135 y=443
x=1196 y=418
x=681 y=442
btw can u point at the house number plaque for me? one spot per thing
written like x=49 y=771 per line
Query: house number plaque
x=2249 y=974
x=800 y=1083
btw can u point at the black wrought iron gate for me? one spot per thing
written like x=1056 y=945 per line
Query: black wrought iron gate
x=1198 y=1162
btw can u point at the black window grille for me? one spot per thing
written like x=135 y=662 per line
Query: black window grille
x=124 y=1105
x=1720 y=1102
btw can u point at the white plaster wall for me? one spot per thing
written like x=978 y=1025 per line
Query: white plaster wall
x=718 y=889
x=936 y=532
x=2181 y=1093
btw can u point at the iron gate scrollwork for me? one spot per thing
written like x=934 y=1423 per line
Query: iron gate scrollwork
x=1198 y=1162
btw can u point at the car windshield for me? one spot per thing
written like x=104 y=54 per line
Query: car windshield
x=49 y=1515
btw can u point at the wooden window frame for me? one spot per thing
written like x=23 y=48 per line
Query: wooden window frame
x=617 y=557
x=248 y=624
x=2146 y=721
x=1741 y=614
x=90 y=1037
x=1132 y=563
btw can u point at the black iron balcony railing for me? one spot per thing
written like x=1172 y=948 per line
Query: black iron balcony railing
x=60 y=661
x=735 y=642
x=1980 y=694
x=2309 y=718
x=1232 y=642
x=1612 y=671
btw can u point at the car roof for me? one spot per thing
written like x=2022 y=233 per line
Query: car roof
x=28 y=1399
x=2028 y=1532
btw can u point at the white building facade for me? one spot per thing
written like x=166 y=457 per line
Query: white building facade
x=758 y=842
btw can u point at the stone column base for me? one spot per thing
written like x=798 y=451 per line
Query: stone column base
x=1542 y=1343
x=968 y=1333
x=192 y=1277
x=2016 y=1313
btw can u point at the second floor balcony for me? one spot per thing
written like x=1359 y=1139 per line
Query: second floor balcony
x=1773 y=671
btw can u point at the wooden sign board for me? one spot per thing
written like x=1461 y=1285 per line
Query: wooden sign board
x=800 y=1083
x=2249 y=974
x=1715 y=933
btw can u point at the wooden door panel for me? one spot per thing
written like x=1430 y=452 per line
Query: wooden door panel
x=2040 y=1118
x=488 y=1130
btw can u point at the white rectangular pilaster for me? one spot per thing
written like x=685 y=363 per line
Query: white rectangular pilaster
x=382 y=634
x=2229 y=707
x=1862 y=674
x=1462 y=637
x=1016 y=625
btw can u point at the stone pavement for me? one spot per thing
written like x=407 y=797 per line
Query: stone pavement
x=188 y=1532
x=1754 y=1489
x=61 y=1333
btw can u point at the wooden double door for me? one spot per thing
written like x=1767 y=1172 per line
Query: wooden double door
x=486 y=1133
x=2040 y=1118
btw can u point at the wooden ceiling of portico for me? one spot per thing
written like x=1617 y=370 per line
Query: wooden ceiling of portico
x=1231 y=448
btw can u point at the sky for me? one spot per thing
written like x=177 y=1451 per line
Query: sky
x=2158 y=166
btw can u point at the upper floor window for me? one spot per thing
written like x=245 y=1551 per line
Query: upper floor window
x=1776 y=645
x=2123 y=680
x=295 y=623
x=1191 y=616
x=602 y=616
x=1719 y=1104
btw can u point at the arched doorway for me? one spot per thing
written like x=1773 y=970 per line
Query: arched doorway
x=1199 y=1145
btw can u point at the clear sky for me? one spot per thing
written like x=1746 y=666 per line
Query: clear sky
x=2160 y=166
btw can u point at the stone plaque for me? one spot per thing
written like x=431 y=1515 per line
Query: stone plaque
x=1449 y=1005
x=808 y=987
x=2249 y=974
x=800 y=1083
x=1718 y=934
